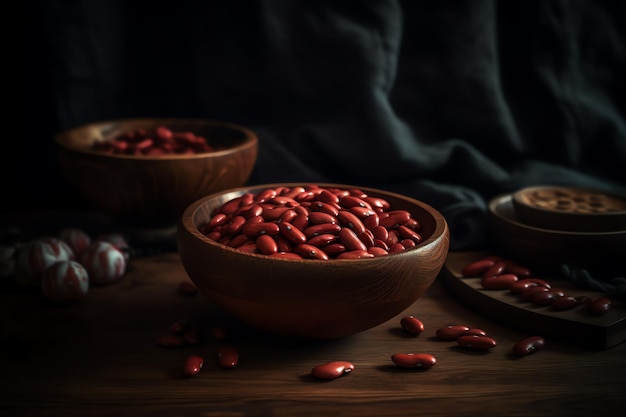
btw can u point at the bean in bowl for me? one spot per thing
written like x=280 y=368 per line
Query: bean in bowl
x=313 y=222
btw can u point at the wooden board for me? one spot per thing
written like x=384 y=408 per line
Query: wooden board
x=574 y=326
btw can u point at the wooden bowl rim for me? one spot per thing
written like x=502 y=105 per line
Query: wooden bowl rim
x=440 y=231
x=519 y=200
x=250 y=139
x=498 y=201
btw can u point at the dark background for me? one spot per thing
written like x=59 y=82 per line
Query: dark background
x=450 y=102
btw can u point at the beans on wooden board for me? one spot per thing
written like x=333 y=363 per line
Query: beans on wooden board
x=476 y=342
x=160 y=141
x=497 y=273
x=311 y=222
x=528 y=345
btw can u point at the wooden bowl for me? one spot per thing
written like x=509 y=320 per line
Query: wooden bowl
x=311 y=299
x=575 y=209
x=549 y=249
x=153 y=191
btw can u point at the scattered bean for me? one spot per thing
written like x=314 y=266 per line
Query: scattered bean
x=227 y=356
x=528 y=345
x=414 y=360
x=476 y=342
x=498 y=282
x=193 y=364
x=412 y=325
x=477 y=268
x=451 y=332
x=332 y=370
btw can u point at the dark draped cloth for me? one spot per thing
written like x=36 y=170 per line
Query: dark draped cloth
x=450 y=102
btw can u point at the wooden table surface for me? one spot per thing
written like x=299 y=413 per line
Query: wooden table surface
x=99 y=358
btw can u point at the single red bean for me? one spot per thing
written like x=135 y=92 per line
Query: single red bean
x=193 y=364
x=528 y=345
x=395 y=218
x=376 y=251
x=349 y=238
x=320 y=229
x=322 y=240
x=266 y=244
x=451 y=332
x=545 y=298
x=353 y=201
x=498 y=282
x=408 y=233
x=317 y=217
x=564 y=303
x=496 y=269
x=599 y=306
x=332 y=370
x=476 y=342
x=311 y=252
x=526 y=283
x=227 y=356
x=477 y=268
x=293 y=234
x=254 y=230
x=529 y=294
x=414 y=360
x=378 y=204
x=412 y=325
x=349 y=219
x=475 y=332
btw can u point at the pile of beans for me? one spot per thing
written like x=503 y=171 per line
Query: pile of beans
x=161 y=141
x=497 y=273
x=312 y=222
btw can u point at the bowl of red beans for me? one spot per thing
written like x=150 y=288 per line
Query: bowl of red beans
x=312 y=261
x=145 y=172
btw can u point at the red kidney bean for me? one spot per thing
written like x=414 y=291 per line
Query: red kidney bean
x=526 y=283
x=193 y=364
x=529 y=294
x=352 y=201
x=599 y=306
x=414 y=360
x=498 y=282
x=395 y=218
x=496 y=269
x=319 y=229
x=332 y=370
x=367 y=238
x=376 y=251
x=355 y=254
x=528 y=345
x=476 y=342
x=187 y=289
x=380 y=233
x=451 y=332
x=266 y=244
x=311 y=252
x=227 y=356
x=412 y=325
x=350 y=220
x=564 y=303
x=349 y=238
x=408 y=233
x=253 y=230
x=317 y=217
x=322 y=240
x=545 y=298
x=475 y=332
x=292 y=234
x=328 y=197
x=335 y=249
x=362 y=212
x=477 y=268
x=516 y=269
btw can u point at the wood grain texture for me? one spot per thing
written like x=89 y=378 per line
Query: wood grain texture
x=99 y=358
